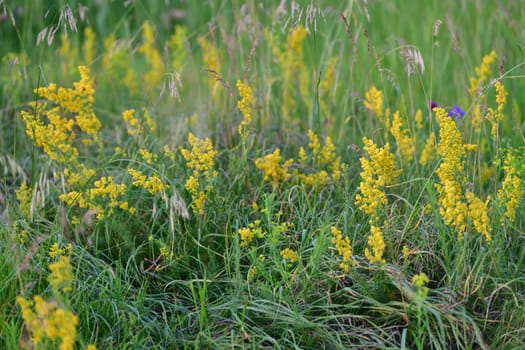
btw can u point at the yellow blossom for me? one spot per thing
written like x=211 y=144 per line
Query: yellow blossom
x=377 y=246
x=289 y=255
x=201 y=160
x=344 y=249
x=405 y=147
x=512 y=188
x=154 y=74
x=24 y=197
x=177 y=47
x=272 y=168
x=245 y=106
x=61 y=276
x=482 y=73
x=478 y=216
x=46 y=319
x=453 y=208
x=494 y=116
x=429 y=152
x=419 y=281
x=419 y=119
x=374 y=101
x=377 y=173
x=88 y=46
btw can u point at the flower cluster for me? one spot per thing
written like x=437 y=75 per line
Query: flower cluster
x=289 y=255
x=136 y=126
x=247 y=234
x=177 y=48
x=512 y=188
x=245 y=106
x=201 y=160
x=24 y=196
x=378 y=172
x=152 y=56
x=429 y=152
x=272 y=168
x=344 y=249
x=295 y=79
x=153 y=184
x=376 y=246
x=405 y=146
x=494 y=116
x=419 y=281
x=482 y=73
x=104 y=197
x=374 y=101
x=453 y=209
x=47 y=319
x=327 y=166
x=55 y=129
x=212 y=61
x=477 y=214
x=457 y=209
x=61 y=276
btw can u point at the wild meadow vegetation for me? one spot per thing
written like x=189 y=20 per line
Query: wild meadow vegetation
x=262 y=174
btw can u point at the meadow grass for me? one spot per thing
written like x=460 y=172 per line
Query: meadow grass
x=272 y=175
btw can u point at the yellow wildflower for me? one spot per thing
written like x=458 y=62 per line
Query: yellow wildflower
x=177 y=48
x=272 y=168
x=61 y=276
x=453 y=209
x=405 y=147
x=419 y=119
x=377 y=173
x=429 y=152
x=153 y=184
x=88 y=46
x=245 y=106
x=477 y=213
x=344 y=249
x=419 y=281
x=153 y=76
x=482 y=73
x=289 y=255
x=377 y=246
x=201 y=160
x=24 y=197
x=495 y=116
x=47 y=319
x=374 y=101
x=512 y=188
x=246 y=235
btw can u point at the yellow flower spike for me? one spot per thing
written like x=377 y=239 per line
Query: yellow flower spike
x=512 y=189
x=453 y=208
x=46 y=319
x=201 y=160
x=376 y=243
x=272 y=168
x=420 y=281
x=61 y=277
x=344 y=249
x=405 y=146
x=378 y=172
x=374 y=101
x=482 y=73
x=245 y=106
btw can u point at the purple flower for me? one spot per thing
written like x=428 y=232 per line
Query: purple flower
x=456 y=112
x=433 y=104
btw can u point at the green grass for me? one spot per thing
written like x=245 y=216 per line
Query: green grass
x=130 y=293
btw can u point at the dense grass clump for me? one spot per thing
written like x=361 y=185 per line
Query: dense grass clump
x=266 y=175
